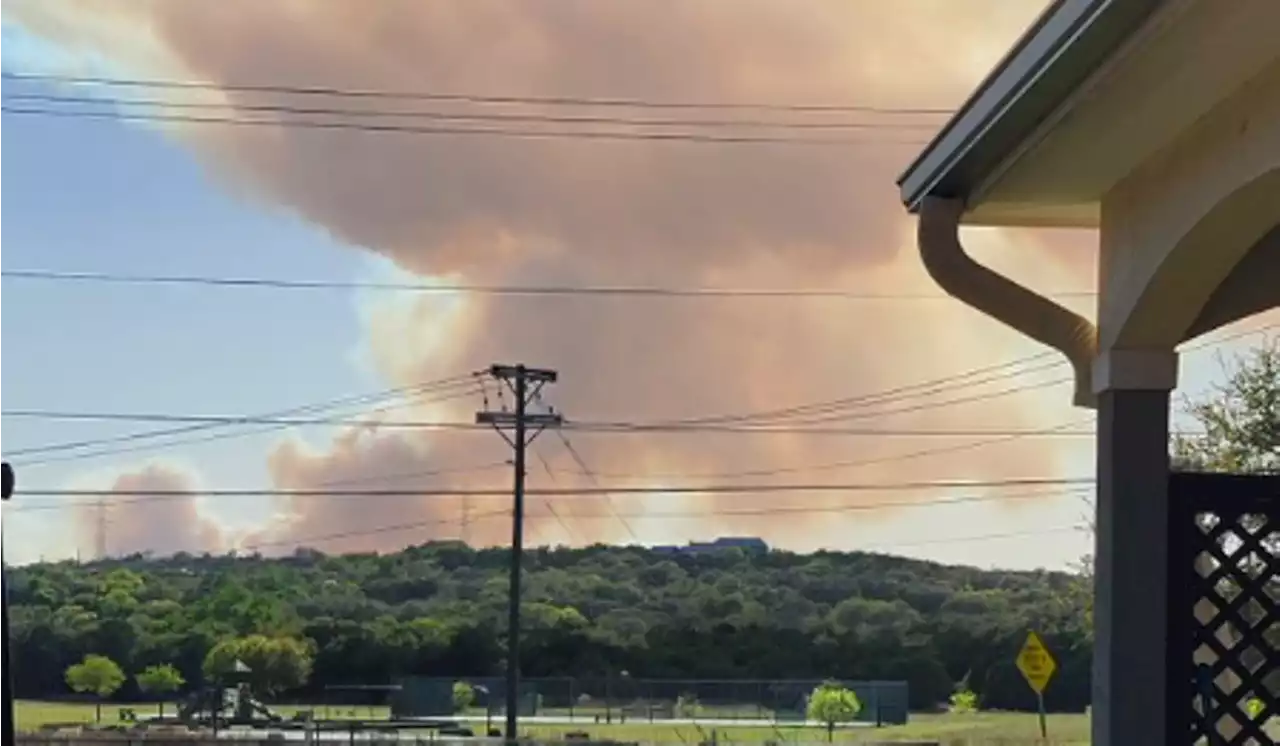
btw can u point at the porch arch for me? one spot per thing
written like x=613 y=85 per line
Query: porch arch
x=1221 y=270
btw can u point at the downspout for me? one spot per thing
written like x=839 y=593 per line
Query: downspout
x=938 y=234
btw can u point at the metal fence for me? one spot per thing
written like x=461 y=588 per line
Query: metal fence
x=623 y=698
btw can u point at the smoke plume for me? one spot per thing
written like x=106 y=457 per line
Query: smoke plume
x=567 y=211
x=130 y=522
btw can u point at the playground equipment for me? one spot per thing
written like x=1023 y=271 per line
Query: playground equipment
x=225 y=706
x=229 y=702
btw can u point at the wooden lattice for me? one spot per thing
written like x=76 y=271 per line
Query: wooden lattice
x=1225 y=626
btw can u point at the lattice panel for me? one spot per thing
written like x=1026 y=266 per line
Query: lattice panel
x=1235 y=599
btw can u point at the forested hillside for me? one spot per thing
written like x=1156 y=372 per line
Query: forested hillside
x=438 y=610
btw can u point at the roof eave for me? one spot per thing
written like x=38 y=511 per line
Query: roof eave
x=1065 y=45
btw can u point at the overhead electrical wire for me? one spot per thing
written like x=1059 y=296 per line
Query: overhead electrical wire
x=913 y=391
x=472 y=289
x=898 y=393
x=1065 y=486
x=441 y=390
x=708 y=489
x=826 y=411
x=230 y=108
x=965 y=379
x=961 y=380
x=547 y=503
x=463 y=97
x=602 y=428
x=589 y=474
x=438 y=131
x=1043 y=361
x=834 y=465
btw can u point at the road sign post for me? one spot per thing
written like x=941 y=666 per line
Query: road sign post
x=1037 y=666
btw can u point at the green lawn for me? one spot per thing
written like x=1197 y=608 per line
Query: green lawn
x=983 y=729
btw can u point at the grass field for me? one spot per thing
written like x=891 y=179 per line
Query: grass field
x=982 y=729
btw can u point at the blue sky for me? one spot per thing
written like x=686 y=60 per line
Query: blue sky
x=110 y=196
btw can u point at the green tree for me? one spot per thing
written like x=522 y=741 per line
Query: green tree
x=963 y=701
x=464 y=695
x=159 y=681
x=275 y=664
x=832 y=703
x=1239 y=419
x=97 y=675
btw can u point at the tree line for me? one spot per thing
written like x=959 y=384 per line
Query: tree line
x=439 y=610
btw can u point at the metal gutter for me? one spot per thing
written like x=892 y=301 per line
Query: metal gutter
x=1065 y=45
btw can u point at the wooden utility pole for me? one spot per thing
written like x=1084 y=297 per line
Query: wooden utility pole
x=525 y=383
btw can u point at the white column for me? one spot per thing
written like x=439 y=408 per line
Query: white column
x=1132 y=547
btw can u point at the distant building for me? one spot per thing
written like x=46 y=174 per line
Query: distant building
x=747 y=543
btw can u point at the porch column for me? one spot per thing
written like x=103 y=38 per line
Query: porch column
x=1132 y=546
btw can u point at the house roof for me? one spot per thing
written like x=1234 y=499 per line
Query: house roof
x=1063 y=48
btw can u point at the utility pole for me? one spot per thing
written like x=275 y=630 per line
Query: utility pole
x=525 y=383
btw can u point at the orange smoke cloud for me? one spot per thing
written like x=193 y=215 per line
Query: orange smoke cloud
x=129 y=522
x=494 y=210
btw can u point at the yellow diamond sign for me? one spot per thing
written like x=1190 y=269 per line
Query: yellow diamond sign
x=1035 y=663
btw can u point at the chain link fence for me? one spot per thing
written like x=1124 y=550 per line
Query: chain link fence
x=623 y=698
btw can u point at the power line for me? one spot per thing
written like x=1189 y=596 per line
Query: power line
x=961 y=380
x=424 y=130
x=610 y=428
x=719 y=512
x=473 y=98
x=966 y=379
x=470 y=289
x=840 y=410
x=586 y=471
x=898 y=393
x=832 y=465
x=923 y=388
x=551 y=508
x=707 y=489
x=608 y=496
x=444 y=389
x=447 y=116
